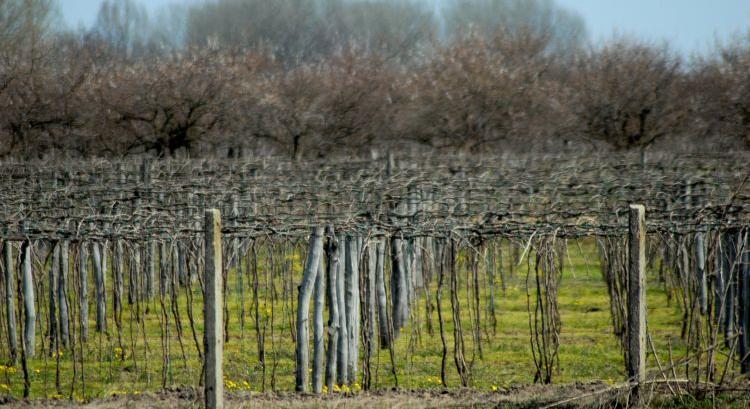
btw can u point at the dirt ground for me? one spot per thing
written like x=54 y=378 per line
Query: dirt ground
x=532 y=396
x=579 y=395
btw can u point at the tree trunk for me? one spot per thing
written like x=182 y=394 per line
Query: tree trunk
x=54 y=272
x=303 y=308
x=343 y=344
x=352 y=306
x=371 y=300
x=62 y=291
x=29 y=327
x=398 y=287
x=100 y=283
x=83 y=271
x=332 y=261
x=318 y=331
x=10 y=307
x=150 y=268
x=385 y=338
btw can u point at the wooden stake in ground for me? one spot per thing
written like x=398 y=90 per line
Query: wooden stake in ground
x=637 y=297
x=213 y=338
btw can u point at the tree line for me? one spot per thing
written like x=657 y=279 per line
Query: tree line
x=326 y=77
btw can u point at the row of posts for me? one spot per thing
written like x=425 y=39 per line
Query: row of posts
x=213 y=340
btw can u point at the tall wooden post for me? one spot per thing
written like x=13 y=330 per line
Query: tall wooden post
x=213 y=319
x=637 y=298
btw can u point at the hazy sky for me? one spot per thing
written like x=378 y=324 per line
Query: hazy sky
x=689 y=25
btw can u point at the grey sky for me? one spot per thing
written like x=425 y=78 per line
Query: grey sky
x=689 y=25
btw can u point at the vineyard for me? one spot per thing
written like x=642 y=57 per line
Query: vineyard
x=340 y=277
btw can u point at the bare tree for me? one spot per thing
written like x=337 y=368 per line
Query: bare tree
x=164 y=105
x=478 y=92
x=628 y=94
x=722 y=97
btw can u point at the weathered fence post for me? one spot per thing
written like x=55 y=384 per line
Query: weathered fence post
x=637 y=298
x=213 y=338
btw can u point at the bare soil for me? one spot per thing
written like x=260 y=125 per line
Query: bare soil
x=531 y=396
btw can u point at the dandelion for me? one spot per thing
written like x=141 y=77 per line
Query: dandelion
x=120 y=353
x=494 y=388
x=231 y=385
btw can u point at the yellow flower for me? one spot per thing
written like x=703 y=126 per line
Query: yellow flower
x=325 y=388
x=494 y=388
x=4 y=387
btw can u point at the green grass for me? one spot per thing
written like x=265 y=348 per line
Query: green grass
x=588 y=349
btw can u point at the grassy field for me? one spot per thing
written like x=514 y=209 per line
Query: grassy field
x=588 y=349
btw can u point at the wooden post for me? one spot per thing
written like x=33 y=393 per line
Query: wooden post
x=213 y=319
x=637 y=298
